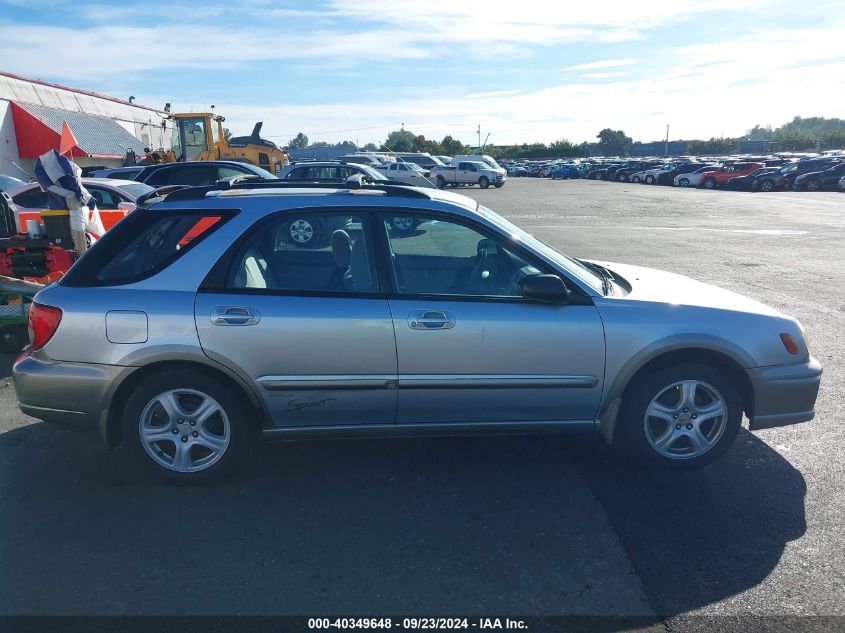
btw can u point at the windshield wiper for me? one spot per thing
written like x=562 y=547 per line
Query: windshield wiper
x=601 y=271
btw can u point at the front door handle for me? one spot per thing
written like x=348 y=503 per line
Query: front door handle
x=431 y=320
x=235 y=315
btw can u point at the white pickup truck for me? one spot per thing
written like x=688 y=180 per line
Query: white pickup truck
x=467 y=173
x=409 y=173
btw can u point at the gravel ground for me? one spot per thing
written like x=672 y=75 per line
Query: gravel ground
x=511 y=526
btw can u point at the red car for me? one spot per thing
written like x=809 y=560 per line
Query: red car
x=722 y=175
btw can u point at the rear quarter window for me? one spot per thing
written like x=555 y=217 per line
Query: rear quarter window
x=141 y=245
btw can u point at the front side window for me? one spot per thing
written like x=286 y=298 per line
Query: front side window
x=311 y=252
x=439 y=257
x=228 y=172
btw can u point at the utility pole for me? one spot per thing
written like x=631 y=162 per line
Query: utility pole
x=666 y=144
x=479 y=137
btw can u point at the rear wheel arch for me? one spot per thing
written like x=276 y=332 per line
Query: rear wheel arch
x=113 y=434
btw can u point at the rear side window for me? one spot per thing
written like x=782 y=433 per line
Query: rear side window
x=141 y=245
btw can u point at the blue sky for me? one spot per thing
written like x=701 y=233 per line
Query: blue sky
x=538 y=71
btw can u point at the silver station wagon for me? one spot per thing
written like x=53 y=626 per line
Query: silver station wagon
x=201 y=321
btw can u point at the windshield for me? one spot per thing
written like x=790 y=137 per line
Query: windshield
x=569 y=264
x=491 y=161
x=136 y=190
x=263 y=173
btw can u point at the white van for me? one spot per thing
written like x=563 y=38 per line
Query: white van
x=479 y=158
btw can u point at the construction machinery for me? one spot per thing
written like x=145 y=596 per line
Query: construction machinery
x=196 y=137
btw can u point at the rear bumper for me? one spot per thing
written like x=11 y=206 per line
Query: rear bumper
x=785 y=394
x=67 y=395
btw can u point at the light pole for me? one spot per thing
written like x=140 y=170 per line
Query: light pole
x=479 y=137
x=666 y=144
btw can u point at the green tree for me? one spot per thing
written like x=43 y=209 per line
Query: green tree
x=713 y=147
x=370 y=147
x=614 y=142
x=452 y=147
x=760 y=133
x=400 y=141
x=300 y=141
x=227 y=134
x=564 y=149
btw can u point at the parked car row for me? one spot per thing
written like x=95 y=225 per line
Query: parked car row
x=764 y=173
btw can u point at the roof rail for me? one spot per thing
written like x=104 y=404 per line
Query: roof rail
x=248 y=183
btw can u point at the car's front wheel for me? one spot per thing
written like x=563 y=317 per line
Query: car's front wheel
x=710 y=183
x=683 y=182
x=812 y=185
x=683 y=416
x=484 y=182
x=649 y=180
x=186 y=425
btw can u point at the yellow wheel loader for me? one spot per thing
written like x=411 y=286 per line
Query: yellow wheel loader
x=195 y=138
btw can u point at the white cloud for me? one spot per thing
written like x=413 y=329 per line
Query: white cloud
x=608 y=63
x=621 y=73
x=492 y=93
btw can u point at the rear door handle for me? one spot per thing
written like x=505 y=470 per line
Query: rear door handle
x=235 y=315
x=431 y=320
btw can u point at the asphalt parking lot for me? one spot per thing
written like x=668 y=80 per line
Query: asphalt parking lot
x=512 y=526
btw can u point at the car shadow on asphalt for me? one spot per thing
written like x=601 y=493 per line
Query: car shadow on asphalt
x=461 y=525
x=698 y=537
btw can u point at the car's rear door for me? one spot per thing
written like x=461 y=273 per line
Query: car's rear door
x=469 y=347
x=307 y=325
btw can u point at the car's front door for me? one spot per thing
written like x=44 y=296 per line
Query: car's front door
x=469 y=347
x=306 y=325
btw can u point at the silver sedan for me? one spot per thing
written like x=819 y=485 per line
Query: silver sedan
x=199 y=322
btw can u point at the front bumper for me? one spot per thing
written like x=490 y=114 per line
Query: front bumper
x=67 y=395
x=784 y=394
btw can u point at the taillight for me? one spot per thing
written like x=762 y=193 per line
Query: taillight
x=43 y=323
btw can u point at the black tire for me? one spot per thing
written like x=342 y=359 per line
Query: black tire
x=709 y=183
x=500 y=185
x=241 y=429
x=440 y=182
x=683 y=182
x=813 y=185
x=13 y=338
x=631 y=439
x=635 y=178
x=649 y=180
x=767 y=185
x=484 y=182
x=597 y=176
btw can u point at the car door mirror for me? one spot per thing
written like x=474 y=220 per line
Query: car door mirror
x=550 y=288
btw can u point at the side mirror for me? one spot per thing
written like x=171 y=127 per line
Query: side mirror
x=548 y=288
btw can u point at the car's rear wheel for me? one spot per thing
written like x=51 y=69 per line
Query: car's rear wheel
x=683 y=182
x=649 y=180
x=683 y=416
x=812 y=185
x=767 y=185
x=186 y=425
x=440 y=181
x=709 y=183
x=635 y=178
x=484 y=182
x=597 y=176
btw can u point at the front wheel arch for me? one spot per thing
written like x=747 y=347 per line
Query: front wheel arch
x=626 y=379
x=113 y=432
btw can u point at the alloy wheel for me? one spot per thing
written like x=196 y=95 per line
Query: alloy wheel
x=685 y=420
x=301 y=231
x=184 y=430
